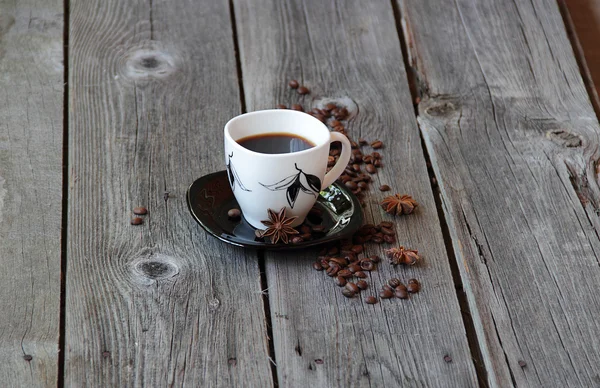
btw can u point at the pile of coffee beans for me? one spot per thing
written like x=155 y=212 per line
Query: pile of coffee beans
x=346 y=269
x=395 y=288
x=138 y=211
x=341 y=261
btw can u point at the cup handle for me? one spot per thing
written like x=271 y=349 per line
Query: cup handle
x=342 y=161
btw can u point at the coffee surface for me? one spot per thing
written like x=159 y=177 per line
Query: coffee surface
x=275 y=143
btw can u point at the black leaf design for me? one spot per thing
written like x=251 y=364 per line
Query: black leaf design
x=233 y=176
x=293 y=184
x=314 y=182
x=292 y=192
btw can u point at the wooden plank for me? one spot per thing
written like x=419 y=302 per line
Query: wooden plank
x=514 y=143
x=350 y=51
x=31 y=113
x=151 y=86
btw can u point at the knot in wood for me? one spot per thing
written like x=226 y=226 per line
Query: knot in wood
x=214 y=303
x=148 y=63
x=154 y=267
x=442 y=109
x=564 y=138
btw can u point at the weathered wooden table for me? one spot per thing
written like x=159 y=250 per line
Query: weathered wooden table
x=107 y=105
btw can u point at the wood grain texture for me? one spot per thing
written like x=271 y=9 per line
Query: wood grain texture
x=31 y=138
x=349 y=51
x=514 y=143
x=151 y=87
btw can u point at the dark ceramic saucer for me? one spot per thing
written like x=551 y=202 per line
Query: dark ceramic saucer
x=210 y=197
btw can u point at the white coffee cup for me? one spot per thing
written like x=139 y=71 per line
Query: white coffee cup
x=272 y=181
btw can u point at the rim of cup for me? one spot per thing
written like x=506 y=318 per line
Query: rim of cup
x=305 y=116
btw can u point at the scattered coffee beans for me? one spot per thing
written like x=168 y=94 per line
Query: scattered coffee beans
x=137 y=221
x=302 y=90
x=362 y=284
x=281 y=106
x=347 y=293
x=371 y=299
x=293 y=84
x=377 y=144
x=140 y=211
x=386 y=294
x=234 y=214
x=384 y=188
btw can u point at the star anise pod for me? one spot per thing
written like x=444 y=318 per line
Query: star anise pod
x=399 y=204
x=279 y=227
x=402 y=255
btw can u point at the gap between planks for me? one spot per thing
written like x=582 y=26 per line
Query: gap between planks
x=260 y=253
x=65 y=201
x=413 y=82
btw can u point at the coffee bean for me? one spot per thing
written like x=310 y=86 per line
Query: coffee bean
x=334 y=152
x=401 y=294
x=136 y=221
x=354 y=268
x=368 y=159
x=386 y=224
x=413 y=286
x=447 y=358
x=297 y=107
x=317 y=266
x=386 y=294
x=302 y=90
x=330 y=106
x=360 y=274
x=324 y=263
x=341 y=114
x=376 y=155
x=389 y=239
x=340 y=281
x=306 y=236
x=304 y=229
x=348 y=293
x=387 y=231
x=339 y=128
x=357 y=249
x=377 y=240
x=363 y=285
x=333 y=270
x=378 y=163
x=362 y=141
x=318 y=229
x=330 y=161
x=370 y=299
x=356 y=167
x=234 y=214
x=367 y=265
x=297 y=240
x=293 y=84
x=140 y=211
x=333 y=251
x=362 y=185
x=384 y=188
x=352 y=287
x=28 y=357
x=387 y=287
x=371 y=169
x=394 y=282
x=522 y=364
x=358 y=158
x=351 y=185
x=401 y=287
x=339 y=261
x=281 y=106
x=344 y=273
x=377 y=144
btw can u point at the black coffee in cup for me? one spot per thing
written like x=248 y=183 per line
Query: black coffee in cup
x=275 y=143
